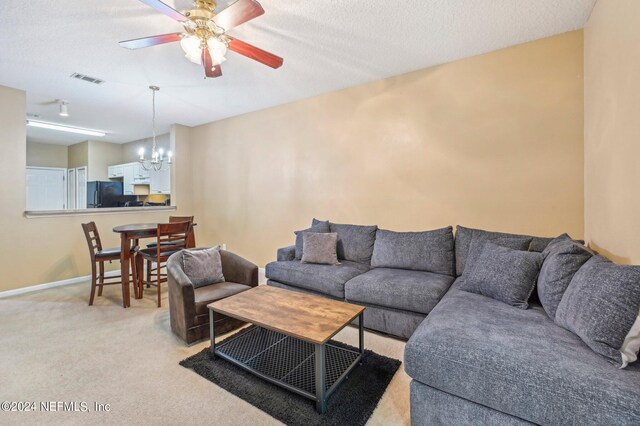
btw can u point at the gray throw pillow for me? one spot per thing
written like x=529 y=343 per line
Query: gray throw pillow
x=355 y=242
x=320 y=248
x=503 y=274
x=601 y=306
x=477 y=246
x=563 y=257
x=464 y=237
x=316 y=226
x=203 y=267
x=430 y=251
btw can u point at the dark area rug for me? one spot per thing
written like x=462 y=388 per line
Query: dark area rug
x=351 y=404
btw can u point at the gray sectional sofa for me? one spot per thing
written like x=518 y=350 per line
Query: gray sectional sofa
x=398 y=276
x=473 y=359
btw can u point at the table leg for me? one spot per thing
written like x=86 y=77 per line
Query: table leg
x=321 y=403
x=212 y=333
x=361 y=332
x=137 y=284
x=125 y=252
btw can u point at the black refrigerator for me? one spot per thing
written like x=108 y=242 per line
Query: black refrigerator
x=103 y=194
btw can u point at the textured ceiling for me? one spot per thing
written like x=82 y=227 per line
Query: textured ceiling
x=327 y=45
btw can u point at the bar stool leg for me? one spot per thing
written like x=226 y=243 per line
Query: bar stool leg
x=93 y=284
x=159 y=278
x=101 y=278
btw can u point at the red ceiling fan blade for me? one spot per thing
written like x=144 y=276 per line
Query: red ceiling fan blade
x=254 y=53
x=139 y=43
x=167 y=10
x=238 y=13
x=209 y=70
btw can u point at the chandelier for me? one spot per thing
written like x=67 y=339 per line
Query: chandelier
x=157 y=155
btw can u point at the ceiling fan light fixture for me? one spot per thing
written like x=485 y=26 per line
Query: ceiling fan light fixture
x=191 y=46
x=217 y=50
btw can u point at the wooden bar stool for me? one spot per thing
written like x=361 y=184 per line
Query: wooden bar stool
x=170 y=239
x=190 y=243
x=98 y=257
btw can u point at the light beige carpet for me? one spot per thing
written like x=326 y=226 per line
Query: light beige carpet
x=54 y=347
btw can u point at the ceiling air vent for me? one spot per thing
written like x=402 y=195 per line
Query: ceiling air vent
x=87 y=78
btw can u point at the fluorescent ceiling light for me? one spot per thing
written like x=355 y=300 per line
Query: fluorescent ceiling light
x=60 y=127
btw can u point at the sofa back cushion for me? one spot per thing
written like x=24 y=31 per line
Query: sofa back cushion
x=464 y=237
x=503 y=274
x=601 y=305
x=318 y=226
x=355 y=242
x=429 y=251
x=563 y=258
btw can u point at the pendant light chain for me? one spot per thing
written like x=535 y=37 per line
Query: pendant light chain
x=153 y=119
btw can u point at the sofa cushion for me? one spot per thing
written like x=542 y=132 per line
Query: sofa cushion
x=503 y=274
x=563 y=258
x=205 y=295
x=325 y=279
x=464 y=236
x=519 y=362
x=316 y=226
x=414 y=291
x=477 y=246
x=601 y=306
x=320 y=248
x=430 y=251
x=355 y=242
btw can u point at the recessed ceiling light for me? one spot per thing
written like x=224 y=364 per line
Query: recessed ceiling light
x=62 y=128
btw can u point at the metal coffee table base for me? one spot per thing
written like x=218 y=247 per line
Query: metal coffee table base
x=311 y=370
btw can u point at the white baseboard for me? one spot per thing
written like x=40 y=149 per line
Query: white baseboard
x=262 y=279
x=54 y=284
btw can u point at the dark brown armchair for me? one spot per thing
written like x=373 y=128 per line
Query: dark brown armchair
x=188 y=311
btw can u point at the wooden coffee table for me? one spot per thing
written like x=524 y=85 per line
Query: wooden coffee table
x=288 y=342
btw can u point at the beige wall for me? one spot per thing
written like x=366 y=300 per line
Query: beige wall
x=494 y=141
x=46 y=155
x=42 y=250
x=612 y=129
x=101 y=156
x=78 y=155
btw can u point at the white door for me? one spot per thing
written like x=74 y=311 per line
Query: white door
x=81 y=187
x=71 y=189
x=46 y=188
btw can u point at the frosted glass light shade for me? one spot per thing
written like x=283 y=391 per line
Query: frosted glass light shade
x=192 y=49
x=217 y=50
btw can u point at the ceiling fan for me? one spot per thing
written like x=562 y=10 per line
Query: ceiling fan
x=205 y=40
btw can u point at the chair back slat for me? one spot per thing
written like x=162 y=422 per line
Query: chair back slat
x=171 y=237
x=93 y=238
x=191 y=237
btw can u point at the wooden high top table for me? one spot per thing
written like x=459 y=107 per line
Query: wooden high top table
x=133 y=233
x=289 y=343
x=129 y=233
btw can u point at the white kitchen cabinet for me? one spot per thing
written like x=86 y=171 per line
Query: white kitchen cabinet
x=116 y=171
x=128 y=178
x=140 y=175
x=160 y=182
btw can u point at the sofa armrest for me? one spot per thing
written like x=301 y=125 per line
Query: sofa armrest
x=286 y=253
x=238 y=270
x=182 y=306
